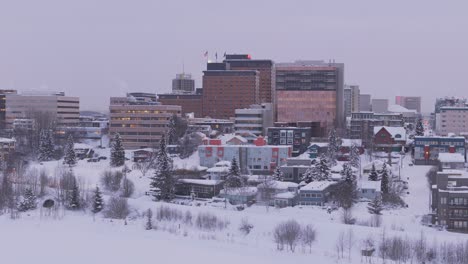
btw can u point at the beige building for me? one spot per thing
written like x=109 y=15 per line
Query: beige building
x=139 y=119
x=65 y=110
x=452 y=120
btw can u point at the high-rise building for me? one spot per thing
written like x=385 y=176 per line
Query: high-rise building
x=379 y=105
x=409 y=102
x=365 y=103
x=139 y=119
x=452 y=119
x=3 y=94
x=446 y=101
x=64 y=110
x=256 y=119
x=310 y=91
x=190 y=102
x=183 y=83
x=351 y=99
x=225 y=90
x=266 y=71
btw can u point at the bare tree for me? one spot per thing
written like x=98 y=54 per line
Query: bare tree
x=117 y=207
x=308 y=236
x=287 y=233
x=267 y=191
x=144 y=166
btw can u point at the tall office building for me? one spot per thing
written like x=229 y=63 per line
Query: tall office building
x=3 y=94
x=190 y=102
x=379 y=105
x=183 y=83
x=351 y=99
x=365 y=103
x=311 y=91
x=409 y=102
x=139 y=119
x=266 y=71
x=65 y=110
x=225 y=90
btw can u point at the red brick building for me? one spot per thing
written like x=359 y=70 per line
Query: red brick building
x=225 y=90
x=190 y=103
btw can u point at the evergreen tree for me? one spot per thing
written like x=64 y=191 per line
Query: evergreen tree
x=29 y=201
x=384 y=180
x=354 y=157
x=149 y=220
x=333 y=147
x=117 y=157
x=46 y=147
x=373 y=176
x=74 y=200
x=163 y=181
x=172 y=136
x=322 y=169
x=98 y=203
x=375 y=206
x=234 y=178
x=347 y=188
x=419 y=128
x=278 y=174
x=311 y=174
x=70 y=156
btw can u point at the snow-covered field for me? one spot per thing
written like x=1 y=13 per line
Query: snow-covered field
x=74 y=237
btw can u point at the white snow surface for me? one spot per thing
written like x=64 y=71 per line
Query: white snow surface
x=75 y=238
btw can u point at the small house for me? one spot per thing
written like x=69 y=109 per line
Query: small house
x=275 y=187
x=83 y=151
x=369 y=190
x=240 y=195
x=315 y=193
x=285 y=199
x=389 y=139
x=198 y=188
x=142 y=154
x=316 y=149
x=219 y=171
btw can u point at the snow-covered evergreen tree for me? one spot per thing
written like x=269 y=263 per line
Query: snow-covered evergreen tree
x=98 y=203
x=373 y=176
x=384 y=180
x=322 y=169
x=117 y=157
x=419 y=128
x=70 y=156
x=347 y=189
x=333 y=147
x=74 y=200
x=46 y=146
x=234 y=178
x=311 y=174
x=354 y=157
x=278 y=174
x=375 y=206
x=163 y=181
x=172 y=132
x=29 y=201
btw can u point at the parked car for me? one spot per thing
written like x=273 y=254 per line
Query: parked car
x=102 y=158
x=93 y=160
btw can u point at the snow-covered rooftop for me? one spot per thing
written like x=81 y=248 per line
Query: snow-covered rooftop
x=218 y=169
x=279 y=185
x=241 y=191
x=317 y=186
x=223 y=163
x=7 y=140
x=394 y=131
x=201 y=182
x=286 y=195
x=451 y=157
x=346 y=142
x=81 y=146
x=400 y=109
x=373 y=185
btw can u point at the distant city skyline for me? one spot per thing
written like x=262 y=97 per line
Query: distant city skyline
x=96 y=50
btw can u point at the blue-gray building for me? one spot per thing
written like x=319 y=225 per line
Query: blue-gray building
x=427 y=149
x=315 y=193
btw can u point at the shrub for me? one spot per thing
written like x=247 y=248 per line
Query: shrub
x=127 y=188
x=210 y=222
x=245 y=226
x=117 y=207
x=308 y=236
x=165 y=213
x=287 y=233
x=111 y=180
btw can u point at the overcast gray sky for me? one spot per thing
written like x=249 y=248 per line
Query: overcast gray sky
x=100 y=48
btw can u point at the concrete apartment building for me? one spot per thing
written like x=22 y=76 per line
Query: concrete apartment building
x=297 y=137
x=427 y=149
x=256 y=119
x=452 y=119
x=450 y=200
x=351 y=99
x=311 y=91
x=265 y=68
x=365 y=103
x=446 y=101
x=139 y=119
x=409 y=102
x=28 y=105
x=225 y=90
x=183 y=83
x=379 y=105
